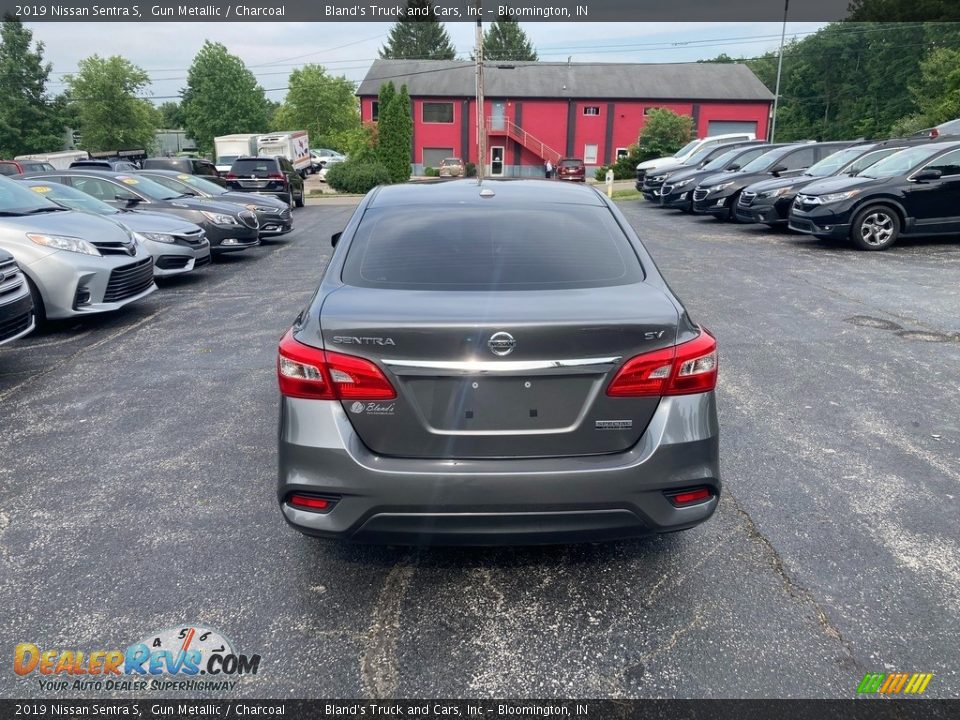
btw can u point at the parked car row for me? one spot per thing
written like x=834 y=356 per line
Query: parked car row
x=870 y=193
x=83 y=241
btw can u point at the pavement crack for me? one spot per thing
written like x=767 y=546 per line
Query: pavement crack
x=793 y=587
x=378 y=655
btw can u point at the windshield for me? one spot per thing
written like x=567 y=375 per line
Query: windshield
x=719 y=163
x=226 y=159
x=686 y=148
x=700 y=154
x=145 y=186
x=763 y=162
x=18 y=199
x=468 y=248
x=832 y=164
x=72 y=198
x=900 y=163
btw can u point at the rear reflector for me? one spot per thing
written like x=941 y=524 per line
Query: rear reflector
x=679 y=370
x=314 y=503
x=689 y=497
x=307 y=372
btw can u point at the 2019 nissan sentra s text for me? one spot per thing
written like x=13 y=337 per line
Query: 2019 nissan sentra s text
x=495 y=363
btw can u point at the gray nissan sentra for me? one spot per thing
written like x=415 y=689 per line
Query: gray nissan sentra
x=495 y=363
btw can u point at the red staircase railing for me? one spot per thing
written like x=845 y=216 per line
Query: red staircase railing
x=509 y=128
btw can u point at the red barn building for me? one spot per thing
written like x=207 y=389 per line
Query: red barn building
x=541 y=110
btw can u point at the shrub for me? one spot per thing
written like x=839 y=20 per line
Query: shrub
x=664 y=133
x=431 y=172
x=471 y=170
x=357 y=177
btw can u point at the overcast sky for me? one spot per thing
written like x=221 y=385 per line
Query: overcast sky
x=272 y=50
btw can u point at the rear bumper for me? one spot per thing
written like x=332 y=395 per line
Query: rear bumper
x=502 y=501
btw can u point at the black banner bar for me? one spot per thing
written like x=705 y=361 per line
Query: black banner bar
x=443 y=10
x=864 y=709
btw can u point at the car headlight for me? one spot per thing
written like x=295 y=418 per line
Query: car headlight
x=683 y=183
x=219 y=218
x=64 y=242
x=721 y=186
x=156 y=237
x=835 y=197
x=258 y=208
x=658 y=178
x=779 y=192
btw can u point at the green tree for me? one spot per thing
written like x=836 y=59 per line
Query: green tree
x=29 y=120
x=663 y=134
x=419 y=36
x=937 y=94
x=111 y=115
x=395 y=133
x=172 y=115
x=506 y=40
x=905 y=10
x=222 y=97
x=319 y=103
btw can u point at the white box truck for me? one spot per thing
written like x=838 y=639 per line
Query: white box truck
x=60 y=160
x=294 y=145
x=228 y=148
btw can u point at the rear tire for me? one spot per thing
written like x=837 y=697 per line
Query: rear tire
x=299 y=199
x=875 y=228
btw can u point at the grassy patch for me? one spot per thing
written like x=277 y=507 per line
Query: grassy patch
x=631 y=194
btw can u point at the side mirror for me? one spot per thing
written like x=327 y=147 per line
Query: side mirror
x=130 y=201
x=927 y=175
x=733 y=168
x=335 y=238
x=777 y=169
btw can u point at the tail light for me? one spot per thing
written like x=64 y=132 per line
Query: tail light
x=679 y=370
x=313 y=503
x=693 y=496
x=934 y=134
x=275 y=176
x=306 y=372
x=230 y=176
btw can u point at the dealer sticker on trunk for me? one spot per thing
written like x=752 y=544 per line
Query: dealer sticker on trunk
x=613 y=424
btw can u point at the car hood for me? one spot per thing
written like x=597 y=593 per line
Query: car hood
x=839 y=184
x=68 y=222
x=682 y=173
x=797 y=181
x=251 y=199
x=208 y=204
x=142 y=221
x=659 y=164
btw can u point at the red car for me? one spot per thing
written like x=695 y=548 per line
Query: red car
x=571 y=169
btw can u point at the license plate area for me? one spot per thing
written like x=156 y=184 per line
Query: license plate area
x=502 y=404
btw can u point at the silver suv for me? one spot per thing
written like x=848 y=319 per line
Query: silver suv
x=75 y=263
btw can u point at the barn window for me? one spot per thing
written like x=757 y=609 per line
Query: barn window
x=434 y=112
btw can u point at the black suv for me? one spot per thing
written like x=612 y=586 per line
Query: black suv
x=652 y=182
x=267 y=175
x=677 y=189
x=718 y=195
x=769 y=201
x=912 y=192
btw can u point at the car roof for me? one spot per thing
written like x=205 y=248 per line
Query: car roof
x=468 y=192
x=94 y=172
x=160 y=171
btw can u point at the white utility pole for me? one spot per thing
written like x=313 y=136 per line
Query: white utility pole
x=481 y=118
x=776 y=94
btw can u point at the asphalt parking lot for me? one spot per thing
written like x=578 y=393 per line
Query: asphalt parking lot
x=138 y=470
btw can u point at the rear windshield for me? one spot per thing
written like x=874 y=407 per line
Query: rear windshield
x=257 y=168
x=477 y=248
x=571 y=163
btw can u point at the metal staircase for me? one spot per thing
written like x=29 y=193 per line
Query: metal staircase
x=513 y=131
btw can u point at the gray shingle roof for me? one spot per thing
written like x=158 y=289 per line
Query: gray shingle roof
x=654 y=81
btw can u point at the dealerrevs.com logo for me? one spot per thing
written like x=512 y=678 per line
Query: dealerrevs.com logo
x=187 y=658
